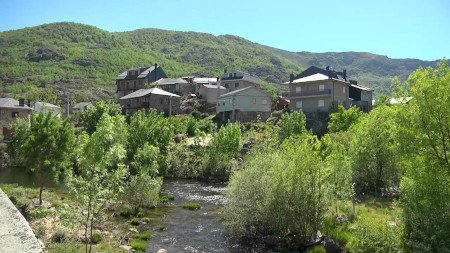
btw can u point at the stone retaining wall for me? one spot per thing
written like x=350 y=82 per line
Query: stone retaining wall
x=16 y=235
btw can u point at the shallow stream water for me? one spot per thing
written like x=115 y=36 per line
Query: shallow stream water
x=193 y=230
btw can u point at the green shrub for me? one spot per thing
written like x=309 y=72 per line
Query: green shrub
x=139 y=245
x=375 y=236
x=40 y=212
x=96 y=238
x=165 y=198
x=57 y=204
x=59 y=236
x=280 y=192
x=317 y=249
x=143 y=235
x=191 y=205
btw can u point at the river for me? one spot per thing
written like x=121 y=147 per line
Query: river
x=194 y=231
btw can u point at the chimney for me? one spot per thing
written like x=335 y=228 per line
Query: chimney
x=21 y=102
x=344 y=74
x=327 y=68
x=156 y=66
x=291 y=78
x=225 y=71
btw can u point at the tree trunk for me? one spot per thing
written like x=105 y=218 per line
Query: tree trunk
x=90 y=239
x=41 y=189
x=87 y=225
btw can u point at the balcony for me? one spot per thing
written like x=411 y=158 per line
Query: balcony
x=307 y=93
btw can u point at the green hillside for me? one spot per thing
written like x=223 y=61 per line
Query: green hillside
x=83 y=61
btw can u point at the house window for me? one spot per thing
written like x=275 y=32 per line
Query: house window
x=234 y=74
x=236 y=85
x=161 y=100
x=226 y=85
x=343 y=89
x=298 y=89
x=321 y=87
x=299 y=104
x=264 y=102
x=15 y=114
x=230 y=75
x=218 y=104
x=321 y=103
x=254 y=101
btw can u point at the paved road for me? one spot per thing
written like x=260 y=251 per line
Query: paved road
x=15 y=232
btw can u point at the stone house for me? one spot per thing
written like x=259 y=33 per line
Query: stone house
x=155 y=98
x=177 y=86
x=210 y=92
x=235 y=80
x=317 y=89
x=10 y=109
x=135 y=79
x=244 y=105
x=199 y=81
x=47 y=108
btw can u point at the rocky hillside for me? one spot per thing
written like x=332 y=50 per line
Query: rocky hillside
x=82 y=61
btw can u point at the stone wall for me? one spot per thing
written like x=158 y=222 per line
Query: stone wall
x=16 y=235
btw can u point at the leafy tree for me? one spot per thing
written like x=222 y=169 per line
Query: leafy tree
x=425 y=147
x=145 y=161
x=338 y=167
x=293 y=123
x=92 y=115
x=99 y=179
x=343 y=119
x=225 y=145
x=280 y=192
x=373 y=151
x=45 y=147
x=142 y=191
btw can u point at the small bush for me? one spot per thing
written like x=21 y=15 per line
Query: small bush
x=57 y=204
x=40 y=212
x=317 y=249
x=127 y=214
x=40 y=231
x=138 y=245
x=143 y=236
x=134 y=222
x=165 y=198
x=370 y=236
x=59 y=236
x=191 y=205
x=96 y=238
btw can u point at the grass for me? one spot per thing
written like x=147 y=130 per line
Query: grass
x=139 y=245
x=165 y=198
x=191 y=205
x=379 y=210
x=143 y=236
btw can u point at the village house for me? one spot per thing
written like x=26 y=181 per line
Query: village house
x=155 y=98
x=244 y=105
x=210 y=92
x=134 y=79
x=177 y=86
x=47 y=108
x=10 y=109
x=79 y=107
x=317 y=89
x=199 y=81
x=235 y=80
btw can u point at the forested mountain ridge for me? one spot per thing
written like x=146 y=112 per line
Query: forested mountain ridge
x=83 y=61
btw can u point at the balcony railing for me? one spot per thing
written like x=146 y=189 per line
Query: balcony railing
x=307 y=93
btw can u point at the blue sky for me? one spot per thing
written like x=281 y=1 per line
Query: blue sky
x=398 y=29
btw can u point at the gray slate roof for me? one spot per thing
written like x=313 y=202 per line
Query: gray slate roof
x=212 y=86
x=145 y=92
x=241 y=90
x=143 y=73
x=48 y=105
x=12 y=103
x=163 y=81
